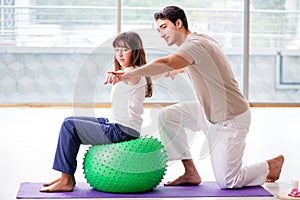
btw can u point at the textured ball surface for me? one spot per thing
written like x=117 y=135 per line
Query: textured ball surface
x=126 y=167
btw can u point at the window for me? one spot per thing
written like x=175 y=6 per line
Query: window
x=45 y=45
x=274 y=51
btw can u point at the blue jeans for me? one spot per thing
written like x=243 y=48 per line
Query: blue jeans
x=86 y=130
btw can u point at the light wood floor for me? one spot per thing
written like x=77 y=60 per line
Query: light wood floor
x=28 y=140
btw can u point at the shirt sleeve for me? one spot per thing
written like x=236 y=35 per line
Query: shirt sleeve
x=190 y=51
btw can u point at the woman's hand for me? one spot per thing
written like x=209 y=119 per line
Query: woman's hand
x=127 y=77
x=112 y=77
x=117 y=76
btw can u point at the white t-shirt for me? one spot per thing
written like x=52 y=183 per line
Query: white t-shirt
x=127 y=104
x=212 y=78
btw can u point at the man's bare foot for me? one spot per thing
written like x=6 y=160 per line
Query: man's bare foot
x=275 y=165
x=185 y=180
x=190 y=176
x=64 y=184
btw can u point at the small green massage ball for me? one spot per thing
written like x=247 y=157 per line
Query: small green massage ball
x=127 y=167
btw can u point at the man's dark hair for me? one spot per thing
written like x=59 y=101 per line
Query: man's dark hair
x=172 y=13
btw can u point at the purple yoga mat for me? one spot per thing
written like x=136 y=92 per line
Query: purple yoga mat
x=83 y=190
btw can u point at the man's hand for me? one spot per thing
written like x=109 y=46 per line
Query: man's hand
x=172 y=74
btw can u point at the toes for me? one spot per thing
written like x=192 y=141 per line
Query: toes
x=44 y=189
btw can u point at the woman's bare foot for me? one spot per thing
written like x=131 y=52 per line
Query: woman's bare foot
x=275 y=165
x=52 y=182
x=55 y=181
x=64 y=184
x=185 y=180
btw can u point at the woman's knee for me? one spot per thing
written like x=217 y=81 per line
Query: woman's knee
x=69 y=130
x=67 y=119
x=68 y=123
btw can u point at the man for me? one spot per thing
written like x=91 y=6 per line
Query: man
x=221 y=111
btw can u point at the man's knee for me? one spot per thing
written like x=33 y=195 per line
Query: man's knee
x=162 y=119
x=228 y=183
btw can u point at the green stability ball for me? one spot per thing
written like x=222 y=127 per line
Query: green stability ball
x=127 y=167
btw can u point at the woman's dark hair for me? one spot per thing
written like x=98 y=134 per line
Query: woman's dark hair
x=172 y=13
x=132 y=41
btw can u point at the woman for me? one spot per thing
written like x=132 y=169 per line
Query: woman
x=127 y=108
